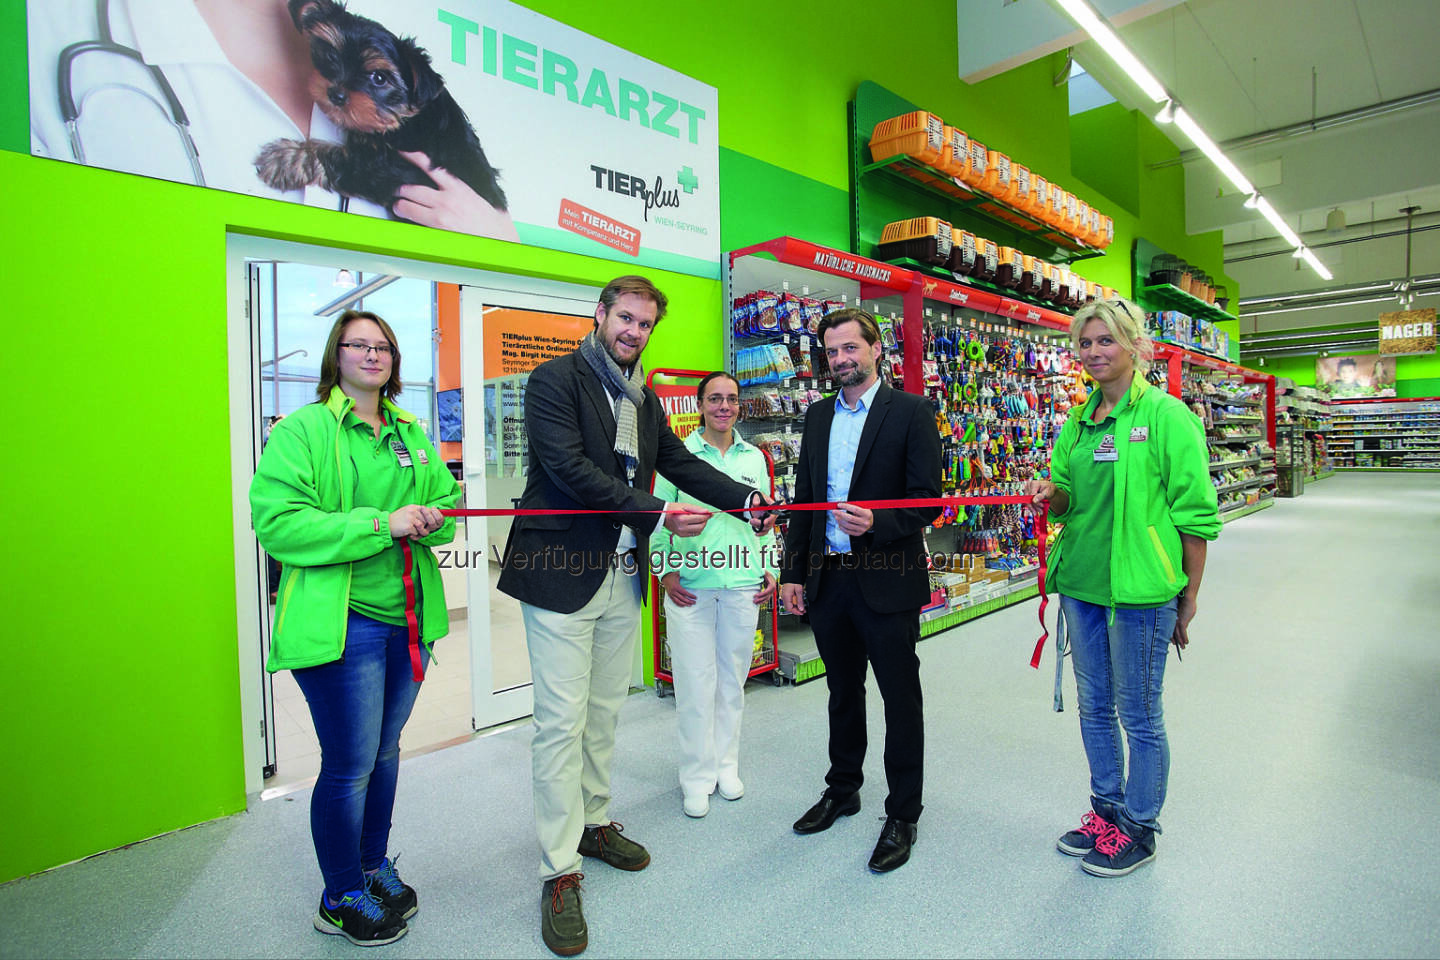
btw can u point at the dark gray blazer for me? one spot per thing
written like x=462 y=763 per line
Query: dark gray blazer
x=898 y=457
x=559 y=562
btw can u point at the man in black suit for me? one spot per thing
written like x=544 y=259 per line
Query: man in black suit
x=861 y=573
x=597 y=435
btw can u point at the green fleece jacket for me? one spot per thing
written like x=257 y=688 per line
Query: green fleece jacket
x=302 y=508
x=1162 y=489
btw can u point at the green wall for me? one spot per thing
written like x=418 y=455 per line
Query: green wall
x=126 y=681
x=1105 y=153
x=1414 y=376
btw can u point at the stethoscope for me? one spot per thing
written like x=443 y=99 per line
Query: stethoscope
x=70 y=112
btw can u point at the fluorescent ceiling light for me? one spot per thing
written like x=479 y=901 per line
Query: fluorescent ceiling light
x=1252 y=201
x=1207 y=146
x=1318 y=306
x=1167 y=112
x=1089 y=21
x=1316 y=265
x=1092 y=23
x=1317 y=294
x=1278 y=222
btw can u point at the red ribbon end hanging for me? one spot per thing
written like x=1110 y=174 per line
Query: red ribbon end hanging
x=412 y=623
x=1041 y=535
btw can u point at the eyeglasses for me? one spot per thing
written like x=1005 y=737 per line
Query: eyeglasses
x=716 y=399
x=381 y=349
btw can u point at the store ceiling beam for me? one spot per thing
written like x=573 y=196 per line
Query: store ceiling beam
x=1322 y=335
x=1306 y=127
x=1367 y=346
x=1321 y=244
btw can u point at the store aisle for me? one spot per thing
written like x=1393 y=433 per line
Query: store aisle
x=1301 y=819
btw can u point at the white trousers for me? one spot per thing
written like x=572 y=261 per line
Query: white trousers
x=580 y=665
x=711 y=644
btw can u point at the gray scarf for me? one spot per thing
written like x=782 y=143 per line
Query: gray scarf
x=627 y=434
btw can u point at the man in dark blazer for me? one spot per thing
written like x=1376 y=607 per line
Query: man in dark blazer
x=862 y=574
x=596 y=435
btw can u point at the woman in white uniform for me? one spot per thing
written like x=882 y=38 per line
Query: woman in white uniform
x=238 y=71
x=711 y=607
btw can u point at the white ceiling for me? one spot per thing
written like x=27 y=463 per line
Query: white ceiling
x=1243 y=67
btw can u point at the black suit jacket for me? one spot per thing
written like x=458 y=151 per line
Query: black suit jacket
x=559 y=562
x=898 y=457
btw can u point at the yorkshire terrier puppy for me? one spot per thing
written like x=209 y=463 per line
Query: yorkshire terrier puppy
x=381 y=90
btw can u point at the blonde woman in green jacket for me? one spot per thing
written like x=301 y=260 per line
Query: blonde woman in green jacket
x=714 y=584
x=1130 y=480
x=343 y=486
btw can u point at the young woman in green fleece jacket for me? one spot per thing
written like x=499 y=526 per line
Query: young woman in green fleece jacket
x=343 y=485
x=714 y=584
x=1130 y=480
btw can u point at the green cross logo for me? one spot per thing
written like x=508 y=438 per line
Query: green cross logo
x=687 y=179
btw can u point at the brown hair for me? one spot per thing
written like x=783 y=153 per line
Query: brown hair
x=330 y=362
x=640 y=286
x=869 y=329
x=700 y=390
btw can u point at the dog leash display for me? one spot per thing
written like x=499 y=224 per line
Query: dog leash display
x=1041 y=529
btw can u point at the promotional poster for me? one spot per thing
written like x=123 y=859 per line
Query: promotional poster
x=482 y=118
x=1363 y=375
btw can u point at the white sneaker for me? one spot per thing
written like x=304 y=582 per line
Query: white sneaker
x=697 y=807
x=731 y=788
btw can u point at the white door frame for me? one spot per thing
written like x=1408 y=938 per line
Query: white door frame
x=491 y=706
x=242 y=345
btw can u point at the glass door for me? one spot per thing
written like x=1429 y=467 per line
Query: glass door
x=504 y=335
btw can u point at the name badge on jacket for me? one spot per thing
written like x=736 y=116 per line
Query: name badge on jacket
x=401 y=453
x=1106 y=452
x=1139 y=434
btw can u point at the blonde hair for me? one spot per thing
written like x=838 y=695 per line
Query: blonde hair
x=1126 y=323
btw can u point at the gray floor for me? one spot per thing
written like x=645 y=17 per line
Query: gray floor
x=1303 y=815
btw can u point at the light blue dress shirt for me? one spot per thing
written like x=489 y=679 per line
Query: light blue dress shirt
x=845 y=432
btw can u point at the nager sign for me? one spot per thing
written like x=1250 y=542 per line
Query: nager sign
x=1407 y=332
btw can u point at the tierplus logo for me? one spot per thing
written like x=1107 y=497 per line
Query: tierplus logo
x=654 y=194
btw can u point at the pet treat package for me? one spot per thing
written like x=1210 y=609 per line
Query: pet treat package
x=767 y=319
x=887 y=332
x=811 y=312
x=804 y=365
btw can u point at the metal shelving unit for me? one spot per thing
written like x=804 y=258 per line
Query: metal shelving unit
x=1385 y=433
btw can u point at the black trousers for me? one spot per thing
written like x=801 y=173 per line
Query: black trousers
x=849 y=634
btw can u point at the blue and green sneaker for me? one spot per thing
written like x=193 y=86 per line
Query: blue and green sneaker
x=361 y=918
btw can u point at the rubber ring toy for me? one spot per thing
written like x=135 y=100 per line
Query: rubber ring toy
x=975 y=350
x=972 y=392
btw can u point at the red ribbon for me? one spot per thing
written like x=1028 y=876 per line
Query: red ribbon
x=1041 y=526
x=417 y=670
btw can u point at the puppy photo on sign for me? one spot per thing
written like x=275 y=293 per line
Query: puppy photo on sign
x=303 y=101
x=381 y=90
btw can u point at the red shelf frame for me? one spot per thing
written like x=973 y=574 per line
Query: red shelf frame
x=1175 y=357
x=656 y=640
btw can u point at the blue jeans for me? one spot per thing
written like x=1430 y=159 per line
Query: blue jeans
x=1120 y=669
x=359 y=704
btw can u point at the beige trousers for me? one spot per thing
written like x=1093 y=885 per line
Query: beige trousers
x=580 y=665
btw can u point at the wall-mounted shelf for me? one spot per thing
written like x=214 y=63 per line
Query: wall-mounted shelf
x=1177 y=299
x=960 y=195
x=1007 y=293
x=901 y=188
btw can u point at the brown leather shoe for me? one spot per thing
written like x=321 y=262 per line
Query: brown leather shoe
x=605 y=843
x=562 y=923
